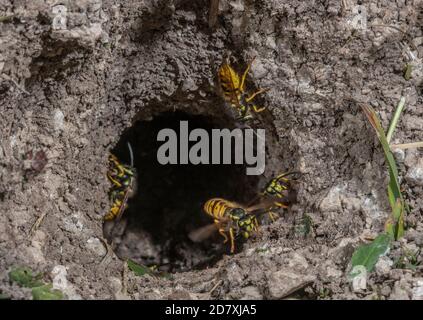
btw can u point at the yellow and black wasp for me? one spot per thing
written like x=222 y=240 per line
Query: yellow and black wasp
x=122 y=178
x=277 y=188
x=233 y=90
x=231 y=219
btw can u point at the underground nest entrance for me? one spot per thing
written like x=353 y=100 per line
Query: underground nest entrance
x=168 y=200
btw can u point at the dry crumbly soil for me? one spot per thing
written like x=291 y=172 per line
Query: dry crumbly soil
x=122 y=69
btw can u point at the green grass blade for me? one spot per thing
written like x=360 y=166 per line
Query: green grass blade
x=394 y=192
x=395 y=119
x=139 y=270
x=46 y=292
x=24 y=277
x=407 y=71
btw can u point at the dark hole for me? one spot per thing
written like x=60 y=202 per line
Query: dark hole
x=169 y=199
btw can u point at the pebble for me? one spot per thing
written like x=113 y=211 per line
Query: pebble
x=414 y=175
x=96 y=246
x=284 y=282
x=383 y=266
x=399 y=292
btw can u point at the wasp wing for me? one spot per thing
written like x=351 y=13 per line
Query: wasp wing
x=266 y=203
x=128 y=191
x=229 y=83
x=205 y=232
x=201 y=234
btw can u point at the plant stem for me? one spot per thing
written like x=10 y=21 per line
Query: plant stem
x=407 y=145
x=395 y=119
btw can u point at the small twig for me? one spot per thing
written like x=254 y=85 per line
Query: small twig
x=37 y=223
x=407 y=145
x=214 y=11
x=108 y=251
x=395 y=119
x=216 y=286
x=6 y=77
x=125 y=278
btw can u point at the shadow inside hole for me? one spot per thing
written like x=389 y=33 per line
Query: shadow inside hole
x=168 y=202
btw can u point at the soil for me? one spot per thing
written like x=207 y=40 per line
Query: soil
x=74 y=89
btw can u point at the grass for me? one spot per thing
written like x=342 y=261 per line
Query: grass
x=367 y=255
x=24 y=277
x=408 y=260
x=395 y=224
x=395 y=119
x=407 y=71
x=141 y=270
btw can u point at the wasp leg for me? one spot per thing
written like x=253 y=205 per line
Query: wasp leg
x=244 y=115
x=231 y=234
x=244 y=76
x=245 y=118
x=281 y=205
x=255 y=94
x=257 y=109
x=222 y=232
x=282 y=177
x=114 y=181
x=256 y=226
x=121 y=168
x=272 y=216
x=117 y=164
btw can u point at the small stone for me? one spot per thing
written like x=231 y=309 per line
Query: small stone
x=251 y=293
x=385 y=291
x=234 y=274
x=258 y=70
x=179 y=295
x=399 y=155
x=237 y=5
x=415 y=235
x=189 y=85
x=96 y=246
x=271 y=43
x=284 y=282
x=415 y=174
x=399 y=292
x=359 y=282
x=411 y=157
x=418 y=290
x=60 y=282
x=334 y=273
x=60 y=19
x=297 y=262
x=116 y=284
x=383 y=266
x=58 y=119
x=332 y=201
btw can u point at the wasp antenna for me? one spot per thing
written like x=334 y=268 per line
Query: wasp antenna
x=131 y=154
x=290 y=173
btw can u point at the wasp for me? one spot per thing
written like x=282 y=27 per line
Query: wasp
x=230 y=218
x=233 y=89
x=277 y=188
x=122 y=178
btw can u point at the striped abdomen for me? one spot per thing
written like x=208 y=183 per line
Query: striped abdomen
x=218 y=208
